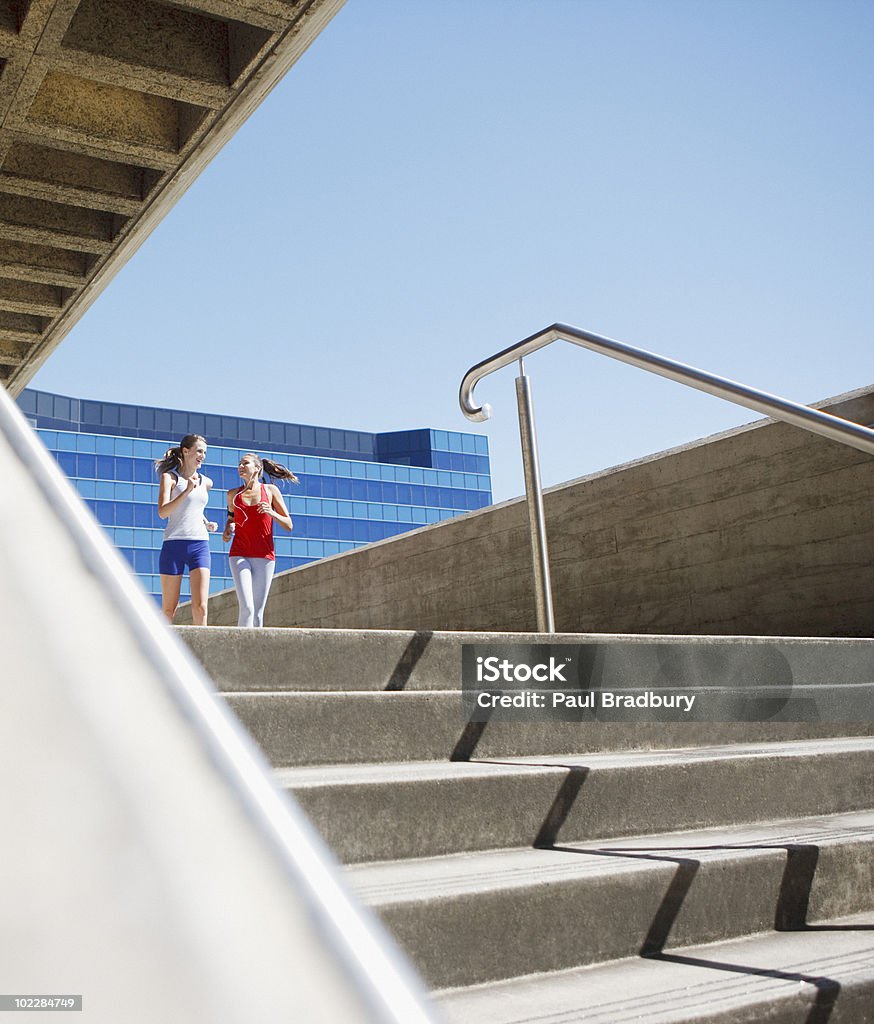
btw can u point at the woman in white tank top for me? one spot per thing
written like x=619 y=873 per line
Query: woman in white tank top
x=182 y=498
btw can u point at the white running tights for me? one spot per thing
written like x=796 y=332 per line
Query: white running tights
x=252 y=578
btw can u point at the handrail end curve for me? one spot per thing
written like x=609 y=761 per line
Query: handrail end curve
x=480 y=415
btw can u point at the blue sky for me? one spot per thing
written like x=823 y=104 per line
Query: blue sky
x=434 y=181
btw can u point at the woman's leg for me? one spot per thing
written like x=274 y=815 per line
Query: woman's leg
x=199 y=579
x=241 y=570
x=262 y=577
x=170 y=588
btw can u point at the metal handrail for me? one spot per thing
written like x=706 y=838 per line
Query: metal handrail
x=813 y=420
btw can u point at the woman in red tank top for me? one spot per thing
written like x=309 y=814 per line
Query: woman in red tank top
x=252 y=510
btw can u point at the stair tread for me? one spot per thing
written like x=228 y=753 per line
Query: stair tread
x=381 y=883
x=389 y=772
x=690 y=755
x=475 y=636
x=381 y=773
x=363 y=695
x=709 y=982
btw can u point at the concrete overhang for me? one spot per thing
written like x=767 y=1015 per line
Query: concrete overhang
x=110 y=109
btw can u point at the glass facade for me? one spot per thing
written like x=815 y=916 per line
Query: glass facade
x=354 y=488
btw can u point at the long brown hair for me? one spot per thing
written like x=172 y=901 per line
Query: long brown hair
x=172 y=458
x=275 y=470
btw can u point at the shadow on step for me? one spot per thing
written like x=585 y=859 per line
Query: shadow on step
x=827 y=989
x=561 y=806
x=790 y=914
x=408 y=660
x=470 y=737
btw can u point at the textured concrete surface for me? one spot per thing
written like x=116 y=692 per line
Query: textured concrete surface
x=760 y=530
x=381 y=812
x=313 y=696
x=595 y=885
x=277 y=659
x=783 y=978
x=447 y=808
x=446 y=910
x=349 y=728
x=109 y=109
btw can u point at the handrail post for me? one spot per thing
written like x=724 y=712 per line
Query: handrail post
x=534 y=493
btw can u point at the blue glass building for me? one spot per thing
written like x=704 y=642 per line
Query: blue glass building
x=355 y=487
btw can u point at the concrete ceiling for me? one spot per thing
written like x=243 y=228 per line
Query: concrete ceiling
x=110 y=109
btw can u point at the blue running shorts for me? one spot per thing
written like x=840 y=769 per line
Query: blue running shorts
x=177 y=554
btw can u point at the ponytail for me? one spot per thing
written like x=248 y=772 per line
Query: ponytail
x=172 y=458
x=276 y=471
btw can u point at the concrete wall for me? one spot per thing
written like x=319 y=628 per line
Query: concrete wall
x=761 y=530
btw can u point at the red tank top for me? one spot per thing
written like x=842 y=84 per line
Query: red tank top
x=253 y=534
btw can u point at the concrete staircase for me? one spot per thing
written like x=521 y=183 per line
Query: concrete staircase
x=563 y=872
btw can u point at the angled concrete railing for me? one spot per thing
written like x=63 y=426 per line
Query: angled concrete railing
x=813 y=420
x=150 y=861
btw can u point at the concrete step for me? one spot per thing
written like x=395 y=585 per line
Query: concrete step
x=420 y=809
x=356 y=727
x=388 y=811
x=382 y=659
x=597 y=871
x=589 y=902
x=823 y=973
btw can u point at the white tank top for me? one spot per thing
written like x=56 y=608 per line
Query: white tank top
x=185 y=522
